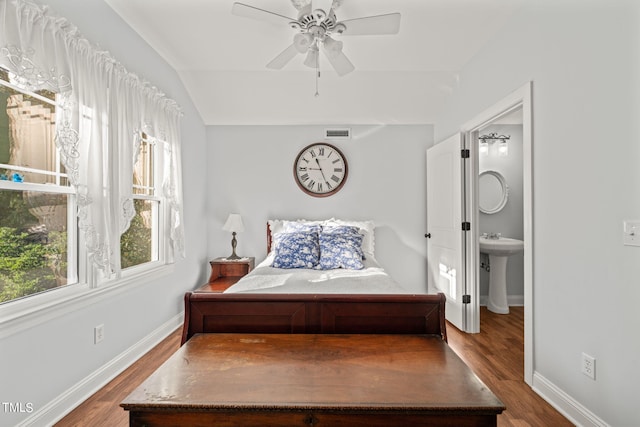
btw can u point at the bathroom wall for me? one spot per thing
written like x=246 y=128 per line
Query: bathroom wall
x=509 y=221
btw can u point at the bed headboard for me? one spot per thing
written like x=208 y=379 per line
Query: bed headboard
x=207 y=312
x=268 y=237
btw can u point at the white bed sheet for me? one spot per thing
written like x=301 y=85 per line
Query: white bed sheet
x=372 y=279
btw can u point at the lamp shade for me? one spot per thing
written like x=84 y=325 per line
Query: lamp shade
x=503 y=148
x=234 y=223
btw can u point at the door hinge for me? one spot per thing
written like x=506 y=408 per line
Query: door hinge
x=466 y=226
x=464 y=153
x=466 y=299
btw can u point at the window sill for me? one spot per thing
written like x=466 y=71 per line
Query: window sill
x=29 y=312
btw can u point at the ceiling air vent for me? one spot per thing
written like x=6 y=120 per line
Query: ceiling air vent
x=344 y=133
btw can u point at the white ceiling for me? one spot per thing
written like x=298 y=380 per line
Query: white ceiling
x=399 y=79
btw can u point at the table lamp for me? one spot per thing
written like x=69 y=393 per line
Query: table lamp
x=234 y=225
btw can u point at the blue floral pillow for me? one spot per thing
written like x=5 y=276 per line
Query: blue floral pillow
x=301 y=227
x=343 y=229
x=339 y=229
x=296 y=250
x=341 y=251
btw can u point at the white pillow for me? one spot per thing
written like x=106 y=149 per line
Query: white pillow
x=275 y=226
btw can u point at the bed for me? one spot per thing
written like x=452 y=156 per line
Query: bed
x=350 y=267
x=314 y=355
x=313 y=296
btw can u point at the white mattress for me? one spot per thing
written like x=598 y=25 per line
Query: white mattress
x=372 y=279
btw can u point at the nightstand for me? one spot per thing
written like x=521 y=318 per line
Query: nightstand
x=225 y=272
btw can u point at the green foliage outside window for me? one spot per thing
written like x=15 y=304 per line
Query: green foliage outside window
x=135 y=243
x=32 y=259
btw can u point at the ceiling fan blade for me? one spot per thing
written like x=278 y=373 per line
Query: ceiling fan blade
x=339 y=62
x=372 y=25
x=244 y=10
x=324 y=5
x=283 y=59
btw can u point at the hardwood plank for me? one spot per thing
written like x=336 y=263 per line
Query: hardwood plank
x=103 y=408
x=496 y=355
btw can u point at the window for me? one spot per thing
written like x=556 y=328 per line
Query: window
x=37 y=231
x=139 y=244
x=67 y=115
x=39 y=248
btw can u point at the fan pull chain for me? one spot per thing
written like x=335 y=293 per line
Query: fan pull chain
x=317 y=77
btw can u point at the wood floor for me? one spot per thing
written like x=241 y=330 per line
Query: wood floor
x=496 y=355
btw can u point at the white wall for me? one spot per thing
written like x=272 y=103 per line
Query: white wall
x=509 y=221
x=251 y=173
x=583 y=59
x=43 y=362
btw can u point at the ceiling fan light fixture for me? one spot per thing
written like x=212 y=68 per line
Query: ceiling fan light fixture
x=332 y=47
x=303 y=41
x=339 y=28
x=312 y=58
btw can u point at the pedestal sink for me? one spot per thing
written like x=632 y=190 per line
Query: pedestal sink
x=499 y=249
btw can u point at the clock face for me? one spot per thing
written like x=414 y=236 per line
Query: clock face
x=320 y=169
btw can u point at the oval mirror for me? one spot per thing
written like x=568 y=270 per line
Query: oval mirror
x=494 y=192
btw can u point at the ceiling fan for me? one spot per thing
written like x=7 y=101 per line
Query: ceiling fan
x=315 y=29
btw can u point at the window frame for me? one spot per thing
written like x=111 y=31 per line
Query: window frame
x=75 y=261
x=160 y=213
x=88 y=285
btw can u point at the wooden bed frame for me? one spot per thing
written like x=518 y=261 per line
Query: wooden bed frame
x=313 y=314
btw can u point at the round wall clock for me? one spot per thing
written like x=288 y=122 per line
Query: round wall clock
x=320 y=169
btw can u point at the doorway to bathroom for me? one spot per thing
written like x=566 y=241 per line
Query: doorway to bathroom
x=501 y=217
x=453 y=251
x=499 y=202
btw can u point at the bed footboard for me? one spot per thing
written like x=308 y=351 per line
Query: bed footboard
x=307 y=314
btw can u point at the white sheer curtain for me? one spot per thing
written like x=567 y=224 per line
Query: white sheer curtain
x=102 y=110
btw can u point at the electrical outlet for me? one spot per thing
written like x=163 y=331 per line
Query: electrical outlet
x=589 y=366
x=98 y=334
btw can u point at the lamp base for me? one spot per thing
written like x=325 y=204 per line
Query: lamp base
x=234 y=243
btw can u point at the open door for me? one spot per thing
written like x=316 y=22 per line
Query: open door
x=446 y=227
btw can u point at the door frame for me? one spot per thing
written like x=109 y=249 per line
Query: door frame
x=522 y=97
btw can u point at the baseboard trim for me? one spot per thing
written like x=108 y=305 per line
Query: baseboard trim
x=565 y=404
x=56 y=409
x=512 y=300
